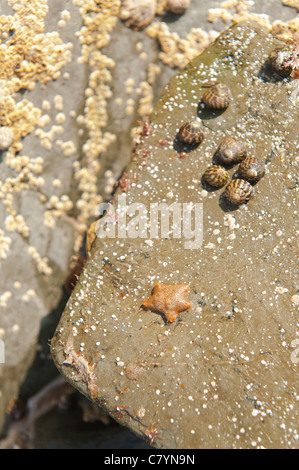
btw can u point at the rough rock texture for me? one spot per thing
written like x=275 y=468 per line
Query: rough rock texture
x=224 y=374
x=34 y=257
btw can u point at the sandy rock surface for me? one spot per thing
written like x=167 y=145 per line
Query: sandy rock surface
x=224 y=374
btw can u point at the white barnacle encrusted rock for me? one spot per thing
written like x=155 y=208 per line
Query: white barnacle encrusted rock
x=6 y=137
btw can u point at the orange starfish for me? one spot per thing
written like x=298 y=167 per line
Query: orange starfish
x=170 y=300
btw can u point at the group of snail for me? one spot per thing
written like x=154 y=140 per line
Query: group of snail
x=230 y=152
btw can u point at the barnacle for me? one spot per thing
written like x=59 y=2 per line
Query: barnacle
x=6 y=137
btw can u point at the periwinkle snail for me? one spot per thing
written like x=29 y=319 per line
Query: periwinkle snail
x=231 y=151
x=216 y=176
x=217 y=96
x=251 y=170
x=238 y=191
x=192 y=132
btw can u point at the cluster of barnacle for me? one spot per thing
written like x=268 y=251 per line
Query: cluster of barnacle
x=229 y=152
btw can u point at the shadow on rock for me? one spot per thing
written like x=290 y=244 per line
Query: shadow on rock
x=205 y=113
x=225 y=205
x=181 y=147
x=268 y=74
x=207 y=186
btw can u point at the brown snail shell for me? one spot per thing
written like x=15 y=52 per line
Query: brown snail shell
x=218 y=96
x=216 y=176
x=238 y=192
x=177 y=7
x=280 y=59
x=231 y=151
x=192 y=132
x=137 y=14
x=251 y=169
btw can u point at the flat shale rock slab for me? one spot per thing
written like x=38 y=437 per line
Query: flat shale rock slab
x=224 y=375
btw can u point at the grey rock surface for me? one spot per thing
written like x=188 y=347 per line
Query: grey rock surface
x=35 y=260
x=224 y=374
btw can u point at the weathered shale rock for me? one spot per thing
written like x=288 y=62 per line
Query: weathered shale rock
x=224 y=375
x=36 y=240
